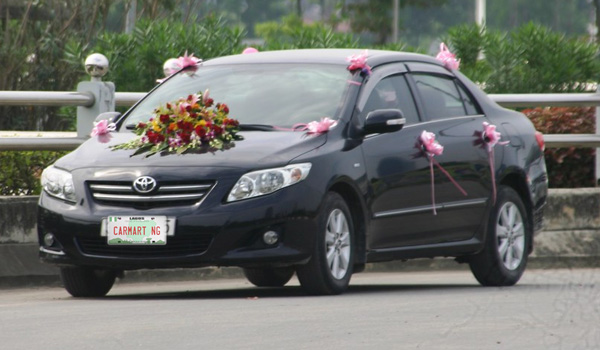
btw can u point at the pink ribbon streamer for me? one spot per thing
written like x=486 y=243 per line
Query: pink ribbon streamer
x=359 y=62
x=102 y=130
x=314 y=127
x=432 y=148
x=490 y=137
x=447 y=58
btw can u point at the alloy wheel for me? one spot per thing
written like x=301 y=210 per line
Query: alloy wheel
x=337 y=244
x=510 y=234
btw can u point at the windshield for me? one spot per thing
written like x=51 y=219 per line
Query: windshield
x=273 y=94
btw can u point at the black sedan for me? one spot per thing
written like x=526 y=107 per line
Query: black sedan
x=314 y=162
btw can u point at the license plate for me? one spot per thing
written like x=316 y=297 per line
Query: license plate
x=136 y=230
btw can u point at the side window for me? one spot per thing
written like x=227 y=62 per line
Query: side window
x=392 y=92
x=440 y=96
x=470 y=106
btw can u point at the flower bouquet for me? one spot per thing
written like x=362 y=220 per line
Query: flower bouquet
x=194 y=123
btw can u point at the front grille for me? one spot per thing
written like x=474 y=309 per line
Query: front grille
x=177 y=246
x=167 y=194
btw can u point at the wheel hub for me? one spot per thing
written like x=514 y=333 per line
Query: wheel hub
x=510 y=235
x=338 y=244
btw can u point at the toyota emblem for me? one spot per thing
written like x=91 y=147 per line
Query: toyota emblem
x=144 y=184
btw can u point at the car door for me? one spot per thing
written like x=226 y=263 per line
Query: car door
x=401 y=192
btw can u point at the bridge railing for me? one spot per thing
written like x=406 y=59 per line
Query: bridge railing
x=96 y=96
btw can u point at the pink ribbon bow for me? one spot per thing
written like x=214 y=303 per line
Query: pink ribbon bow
x=316 y=127
x=186 y=61
x=359 y=62
x=432 y=148
x=447 y=58
x=102 y=130
x=430 y=145
x=490 y=137
x=249 y=50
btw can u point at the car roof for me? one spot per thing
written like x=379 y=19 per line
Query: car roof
x=325 y=56
x=338 y=57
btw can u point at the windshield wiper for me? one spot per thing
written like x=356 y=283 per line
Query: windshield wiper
x=257 y=127
x=247 y=127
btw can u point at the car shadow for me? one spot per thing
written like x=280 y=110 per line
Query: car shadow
x=253 y=293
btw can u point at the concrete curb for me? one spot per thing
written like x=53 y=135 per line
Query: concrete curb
x=571 y=239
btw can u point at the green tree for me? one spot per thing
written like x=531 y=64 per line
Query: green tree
x=292 y=33
x=570 y=17
x=137 y=59
x=529 y=59
x=375 y=16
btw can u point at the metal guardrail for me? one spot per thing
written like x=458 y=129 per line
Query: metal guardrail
x=128 y=99
x=46 y=98
x=546 y=100
x=13 y=141
x=62 y=98
x=52 y=141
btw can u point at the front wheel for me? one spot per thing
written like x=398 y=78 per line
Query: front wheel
x=504 y=257
x=330 y=266
x=87 y=282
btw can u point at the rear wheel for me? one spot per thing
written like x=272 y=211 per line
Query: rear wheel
x=269 y=277
x=87 y=282
x=504 y=257
x=330 y=266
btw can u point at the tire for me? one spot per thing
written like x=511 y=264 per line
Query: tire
x=504 y=257
x=87 y=282
x=330 y=267
x=269 y=277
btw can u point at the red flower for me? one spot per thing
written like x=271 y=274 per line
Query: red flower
x=230 y=122
x=200 y=131
x=141 y=125
x=209 y=102
x=154 y=137
x=185 y=137
x=224 y=108
x=217 y=130
x=185 y=126
x=164 y=118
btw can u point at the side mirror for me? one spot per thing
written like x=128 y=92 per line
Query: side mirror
x=384 y=121
x=110 y=117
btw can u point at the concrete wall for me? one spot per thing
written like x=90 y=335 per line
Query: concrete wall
x=571 y=237
x=571 y=227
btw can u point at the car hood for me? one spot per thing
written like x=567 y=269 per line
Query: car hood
x=257 y=149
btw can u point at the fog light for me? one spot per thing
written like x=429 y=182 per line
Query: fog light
x=48 y=240
x=270 y=237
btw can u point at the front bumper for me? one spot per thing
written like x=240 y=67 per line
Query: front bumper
x=208 y=235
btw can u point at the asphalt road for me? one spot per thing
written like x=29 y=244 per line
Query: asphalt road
x=548 y=309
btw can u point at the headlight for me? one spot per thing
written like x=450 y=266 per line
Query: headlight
x=58 y=183
x=259 y=183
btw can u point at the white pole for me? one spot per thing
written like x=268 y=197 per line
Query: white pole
x=396 y=19
x=480 y=12
x=130 y=17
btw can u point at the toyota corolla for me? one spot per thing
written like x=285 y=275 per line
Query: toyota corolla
x=313 y=162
